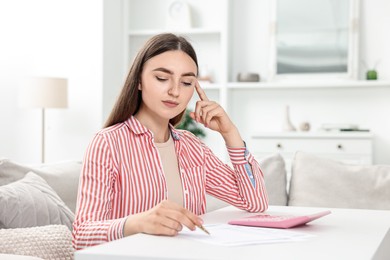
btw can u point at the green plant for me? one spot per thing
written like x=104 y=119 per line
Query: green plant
x=187 y=123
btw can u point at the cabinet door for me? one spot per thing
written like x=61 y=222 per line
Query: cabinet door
x=354 y=151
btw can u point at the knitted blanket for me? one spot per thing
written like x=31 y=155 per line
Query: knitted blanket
x=46 y=242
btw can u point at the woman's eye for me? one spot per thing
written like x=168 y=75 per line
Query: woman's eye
x=161 y=79
x=187 y=83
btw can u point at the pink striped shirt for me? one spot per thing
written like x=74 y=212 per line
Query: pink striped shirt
x=122 y=175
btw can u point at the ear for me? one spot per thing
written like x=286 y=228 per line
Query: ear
x=139 y=86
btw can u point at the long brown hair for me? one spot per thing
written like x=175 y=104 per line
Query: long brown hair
x=130 y=97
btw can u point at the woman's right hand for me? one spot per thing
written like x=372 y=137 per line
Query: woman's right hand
x=167 y=218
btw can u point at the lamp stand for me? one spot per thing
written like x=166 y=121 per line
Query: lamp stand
x=43 y=135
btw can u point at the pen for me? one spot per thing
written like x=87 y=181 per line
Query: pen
x=204 y=230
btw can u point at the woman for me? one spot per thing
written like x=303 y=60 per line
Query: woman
x=141 y=175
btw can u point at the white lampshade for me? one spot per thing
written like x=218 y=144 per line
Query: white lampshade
x=42 y=92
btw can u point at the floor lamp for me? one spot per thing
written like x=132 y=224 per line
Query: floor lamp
x=44 y=93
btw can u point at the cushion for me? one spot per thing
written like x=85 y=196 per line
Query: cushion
x=18 y=257
x=212 y=203
x=63 y=177
x=275 y=178
x=322 y=182
x=45 y=242
x=32 y=202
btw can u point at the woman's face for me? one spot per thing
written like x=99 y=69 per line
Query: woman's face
x=167 y=84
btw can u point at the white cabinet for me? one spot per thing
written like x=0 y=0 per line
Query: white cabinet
x=351 y=148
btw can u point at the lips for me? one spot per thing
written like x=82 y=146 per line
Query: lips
x=170 y=104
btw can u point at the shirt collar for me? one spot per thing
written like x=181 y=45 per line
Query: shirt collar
x=139 y=128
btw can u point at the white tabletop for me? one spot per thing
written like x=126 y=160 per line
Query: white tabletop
x=344 y=234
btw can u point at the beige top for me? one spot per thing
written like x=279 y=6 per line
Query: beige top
x=171 y=170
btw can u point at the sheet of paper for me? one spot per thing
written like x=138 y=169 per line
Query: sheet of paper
x=232 y=235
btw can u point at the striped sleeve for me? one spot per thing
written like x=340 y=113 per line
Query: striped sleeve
x=94 y=222
x=243 y=186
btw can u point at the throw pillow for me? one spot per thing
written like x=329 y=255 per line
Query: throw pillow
x=10 y=172
x=32 y=202
x=46 y=242
x=322 y=182
x=63 y=177
x=275 y=178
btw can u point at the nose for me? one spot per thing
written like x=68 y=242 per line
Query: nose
x=174 y=89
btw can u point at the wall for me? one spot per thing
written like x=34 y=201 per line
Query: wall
x=113 y=59
x=249 y=52
x=64 y=38
x=366 y=107
x=59 y=39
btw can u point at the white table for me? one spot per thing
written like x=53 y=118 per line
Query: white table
x=344 y=234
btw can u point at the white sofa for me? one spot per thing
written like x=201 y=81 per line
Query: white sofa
x=321 y=182
x=37 y=205
x=37 y=202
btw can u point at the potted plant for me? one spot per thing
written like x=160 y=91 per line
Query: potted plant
x=189 y=124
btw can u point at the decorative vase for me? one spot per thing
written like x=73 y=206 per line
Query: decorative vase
x=304 y=126
x=288 y=126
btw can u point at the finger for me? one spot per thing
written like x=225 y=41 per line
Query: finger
x=202 y=95
x=177 y=213
x=186 y=218
x=158 y=224
x=193 y=115
x=163 y=219
x=198 y=110
x=208 y=112
x=162 y=229
x=171 y=223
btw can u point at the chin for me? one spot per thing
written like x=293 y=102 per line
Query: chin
x=169 y=116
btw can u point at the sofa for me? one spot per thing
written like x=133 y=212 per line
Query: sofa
x=37 y=209
x=38 y=202
x=322 y=182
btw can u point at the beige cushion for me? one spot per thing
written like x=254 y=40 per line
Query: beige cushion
x=30 y=202
x=18 y=257
x=275 y=178
x=46 y=242
x=63 y=177
x=323 y=182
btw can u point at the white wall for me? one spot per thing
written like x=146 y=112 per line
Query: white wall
x=55 y=38
x=369 y=108
x=249 y=52
x=65 y=38
x=114 y=71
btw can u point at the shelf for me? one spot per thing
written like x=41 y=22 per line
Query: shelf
x=307 y=84
x=192 y=31
x=316 y=135
x=209 y=86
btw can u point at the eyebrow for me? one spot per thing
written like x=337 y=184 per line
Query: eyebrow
x=187 y=74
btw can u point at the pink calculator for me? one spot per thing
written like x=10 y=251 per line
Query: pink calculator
x=277 y=221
